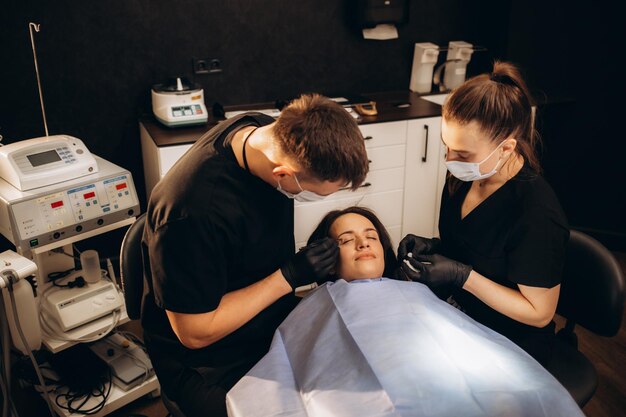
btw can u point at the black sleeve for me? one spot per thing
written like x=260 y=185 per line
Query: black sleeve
x=189 y=266
x=538 y=247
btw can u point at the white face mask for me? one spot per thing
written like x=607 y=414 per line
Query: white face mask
x=470 y=171
x=304 y=196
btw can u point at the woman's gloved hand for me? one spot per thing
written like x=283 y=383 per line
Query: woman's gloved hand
x=312 y=263
x=436 y=271
x=417 y=245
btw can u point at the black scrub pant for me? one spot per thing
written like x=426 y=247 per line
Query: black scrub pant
x=198 y=392
x=202 y=391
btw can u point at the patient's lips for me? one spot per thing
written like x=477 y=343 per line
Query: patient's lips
x=364 y=256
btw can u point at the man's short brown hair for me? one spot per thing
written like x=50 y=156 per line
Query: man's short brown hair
x=323 y=138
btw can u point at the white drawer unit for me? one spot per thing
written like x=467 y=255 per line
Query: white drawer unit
x=375 y=182
x=384 y=134
x=386 y=157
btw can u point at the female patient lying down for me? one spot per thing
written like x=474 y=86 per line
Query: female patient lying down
x=366 y=345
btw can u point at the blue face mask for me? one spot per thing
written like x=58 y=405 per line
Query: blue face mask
x=304 y=196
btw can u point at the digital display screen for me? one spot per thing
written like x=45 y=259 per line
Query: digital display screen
x=38 y=159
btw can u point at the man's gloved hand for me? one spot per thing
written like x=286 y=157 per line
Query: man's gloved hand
x=313 y=263
x=436 y=271
x=417 y=245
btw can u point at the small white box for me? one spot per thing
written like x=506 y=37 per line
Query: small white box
x=72 y=307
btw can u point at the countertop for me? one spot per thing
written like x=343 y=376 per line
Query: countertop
x=391 y=106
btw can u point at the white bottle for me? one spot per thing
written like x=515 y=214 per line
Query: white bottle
x=459 y=55
x=424 y=60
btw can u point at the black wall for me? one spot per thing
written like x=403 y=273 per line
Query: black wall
x=572 y=53
x=98 y=60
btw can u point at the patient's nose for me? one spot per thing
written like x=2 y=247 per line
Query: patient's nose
x=362 y=243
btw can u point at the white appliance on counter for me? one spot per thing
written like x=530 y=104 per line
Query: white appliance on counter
x=424 y=59
x=178 y=103
x=455 y=66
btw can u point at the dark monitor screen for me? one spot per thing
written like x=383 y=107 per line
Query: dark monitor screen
x=42 y=158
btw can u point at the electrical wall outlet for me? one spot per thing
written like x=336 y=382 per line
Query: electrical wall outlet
x=206 y=65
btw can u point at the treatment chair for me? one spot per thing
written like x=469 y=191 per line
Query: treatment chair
x=132 y=278
x=592 y=296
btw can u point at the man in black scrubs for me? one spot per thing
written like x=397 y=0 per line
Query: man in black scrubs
x=219 y=248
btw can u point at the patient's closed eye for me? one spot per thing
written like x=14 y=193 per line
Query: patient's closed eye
x=348 y=237
x=343 y=241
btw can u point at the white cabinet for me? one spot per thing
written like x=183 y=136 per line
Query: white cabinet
x=425 y=173
x=157 y=160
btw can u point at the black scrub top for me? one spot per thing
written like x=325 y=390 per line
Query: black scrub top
x=212 y=228
x=517 y=235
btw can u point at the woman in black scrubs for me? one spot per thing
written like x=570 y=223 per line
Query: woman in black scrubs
x=503 y=232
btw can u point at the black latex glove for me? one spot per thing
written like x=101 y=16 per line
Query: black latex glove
x=417 y=245
x=313 y=263
x=436 y=271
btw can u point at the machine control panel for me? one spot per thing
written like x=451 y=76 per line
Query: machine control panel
x=179 y=111
x=59 y=211
x=66 y=208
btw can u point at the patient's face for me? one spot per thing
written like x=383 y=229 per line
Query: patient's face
x=361 y=254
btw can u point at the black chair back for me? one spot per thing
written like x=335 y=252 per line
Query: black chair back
x=132 y=278
x=593 y=289
x=592 y=296
x=131 y=268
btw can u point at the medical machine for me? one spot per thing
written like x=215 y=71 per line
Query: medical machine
x=72 y=307
x=53 y=193
x=178 y=103
x=35 y=218
x=38 y=162
x=67 y=206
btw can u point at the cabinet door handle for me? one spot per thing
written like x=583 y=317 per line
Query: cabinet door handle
x=425 y=144
x=368 y=138
x=364 y=185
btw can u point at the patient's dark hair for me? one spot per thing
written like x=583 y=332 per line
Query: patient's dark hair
x=323 y=230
